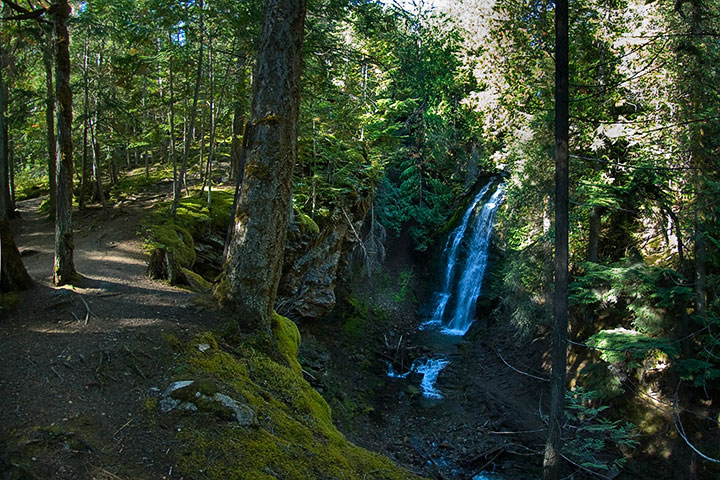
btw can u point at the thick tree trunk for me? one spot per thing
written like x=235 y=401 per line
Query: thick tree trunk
x=64 y=269
x=553 y=448
x=256 y=251
x=13 y=275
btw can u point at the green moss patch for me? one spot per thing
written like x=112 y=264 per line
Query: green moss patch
x=287 y=337
x=170 y=241
x=294 y=437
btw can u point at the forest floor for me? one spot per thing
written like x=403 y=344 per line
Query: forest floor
x=78 y=365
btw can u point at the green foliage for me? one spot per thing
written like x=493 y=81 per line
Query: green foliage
x=404 y=284
x=643 y=295
x=31 y=184
x=355 y=314
x=629 y=346
x=593 y=434
x=135 y=182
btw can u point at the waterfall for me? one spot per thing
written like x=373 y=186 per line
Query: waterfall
x=465 y=258
x=453 y=306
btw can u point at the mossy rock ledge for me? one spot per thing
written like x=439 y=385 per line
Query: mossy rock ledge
x=244 y=413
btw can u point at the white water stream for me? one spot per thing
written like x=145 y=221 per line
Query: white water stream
x=465 y=258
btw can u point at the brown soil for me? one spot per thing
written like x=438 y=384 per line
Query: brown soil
x=77 y=365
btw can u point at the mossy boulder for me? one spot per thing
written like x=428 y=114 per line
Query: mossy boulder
x=294 y=437
x=171 y=241
x=172 y=249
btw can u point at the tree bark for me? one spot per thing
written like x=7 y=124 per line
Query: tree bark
x=64 y=268
x=13 y=275
x=256 y=251
x=84 y=165
x=553 y=448
x=48 y=53
x=193 y=113
x=7 y=207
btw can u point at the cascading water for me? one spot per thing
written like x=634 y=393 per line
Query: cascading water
x=465 y=256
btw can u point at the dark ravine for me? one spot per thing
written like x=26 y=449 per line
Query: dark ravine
x=441 y=431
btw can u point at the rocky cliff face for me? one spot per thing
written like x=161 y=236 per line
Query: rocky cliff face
x=313 y=258
x=307 y=286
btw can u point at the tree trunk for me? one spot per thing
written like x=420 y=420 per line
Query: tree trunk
x=236 y=146
x=193 y=113
x=256 y=251
x=64 y=268
x=48 y=52
x=553 y=448
x=98 y=191
x=112 y=165
x=211 y=149
x=173 y=156
x=86 y=120
x=594 y=235
x=11 y=170
x=13 y=275
x=7 y=207
x=242 y=155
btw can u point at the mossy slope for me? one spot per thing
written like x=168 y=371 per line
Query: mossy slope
x=295 y=437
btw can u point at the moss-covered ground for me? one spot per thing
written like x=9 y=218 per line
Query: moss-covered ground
x=295 y=437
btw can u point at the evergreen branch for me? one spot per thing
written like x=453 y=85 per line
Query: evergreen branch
x=634 y=167
x=652 y=130
x=34 y=15
x=15 y=6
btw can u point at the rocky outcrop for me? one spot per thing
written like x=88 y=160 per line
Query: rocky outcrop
x=191 y=396
x=307 y=286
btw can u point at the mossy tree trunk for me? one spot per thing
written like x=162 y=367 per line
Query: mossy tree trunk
x=256 y=250
x=86 y=121
x=64 y=269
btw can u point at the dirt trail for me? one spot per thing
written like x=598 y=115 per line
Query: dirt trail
x=76 y=364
